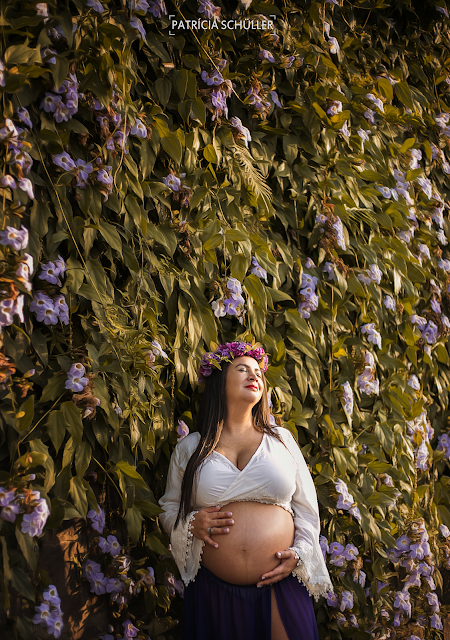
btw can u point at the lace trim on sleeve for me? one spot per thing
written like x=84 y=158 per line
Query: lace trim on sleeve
x=186 y=549
x=189 y=533
x=297 y=555
x=310 y=572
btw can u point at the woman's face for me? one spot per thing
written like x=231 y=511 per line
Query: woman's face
x=244 y=381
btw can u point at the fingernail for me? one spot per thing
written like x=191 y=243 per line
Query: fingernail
x=279 y=554
x=216 y=546
x=229 y=514
x=226 y=530
x=263 y=578
x=259 y=586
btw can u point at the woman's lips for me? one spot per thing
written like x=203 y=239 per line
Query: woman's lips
x=252 y=386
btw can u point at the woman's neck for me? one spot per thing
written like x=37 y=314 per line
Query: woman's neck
x=239 y=421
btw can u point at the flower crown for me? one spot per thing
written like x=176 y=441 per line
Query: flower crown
x=226 y=353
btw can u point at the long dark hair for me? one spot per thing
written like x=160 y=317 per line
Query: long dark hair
x=209 y=422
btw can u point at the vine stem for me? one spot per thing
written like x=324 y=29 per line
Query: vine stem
x=33 y=428
x=103 y=469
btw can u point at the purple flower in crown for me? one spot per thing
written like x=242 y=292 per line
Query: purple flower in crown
x=237 y=348
x=211 y=358
x=204 y=371
x=223 y=351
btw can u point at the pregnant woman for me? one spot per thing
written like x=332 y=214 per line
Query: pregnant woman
x=241 y=511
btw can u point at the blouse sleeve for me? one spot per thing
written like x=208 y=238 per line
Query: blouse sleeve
x=311 y=569
x=186 y=549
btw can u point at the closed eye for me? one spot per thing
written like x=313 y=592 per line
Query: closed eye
x=245 y=368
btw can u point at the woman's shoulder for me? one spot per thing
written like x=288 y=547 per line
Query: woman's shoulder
x=288 y=439
x=284 y=434
x=188 y=444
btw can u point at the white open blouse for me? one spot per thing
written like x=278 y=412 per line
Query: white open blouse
x=275 y=474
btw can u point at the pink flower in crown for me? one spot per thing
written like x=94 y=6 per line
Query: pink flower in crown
x=257 y=353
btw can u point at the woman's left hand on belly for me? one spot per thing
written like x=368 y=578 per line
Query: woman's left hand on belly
x=288 y=562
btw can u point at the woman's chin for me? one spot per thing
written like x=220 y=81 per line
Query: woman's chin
x=252 y=397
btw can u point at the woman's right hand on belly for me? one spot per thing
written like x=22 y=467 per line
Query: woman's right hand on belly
x=210 y=517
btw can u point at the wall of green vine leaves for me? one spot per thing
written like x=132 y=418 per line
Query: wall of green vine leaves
x=149 y=170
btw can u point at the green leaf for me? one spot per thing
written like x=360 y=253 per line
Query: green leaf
x=302 y=342
x=25 y=628
x=385 y=88
x=213 y=242
x=60 y=71
x=441 y=353
x=320 y=112
x=254 y=288
x=163 y=89
x=69 y=451
x=90 y=293
x=73 y=420
x=295 y=319
x=111 y=235
x=147 y=508
x=128 y=470
x=83 y=454
x=24 y=416
x=180 y=80
x=172 y=146
x=199 y=110
x=22 y=583
x=409 y=142
x=133 y=518
x=153 y=543
x=28 y=547
x=403 y=93
x=21 y=54
x=340 y=460
x=53 y=389
x=38 y=445
x=164 y=236
x=210 y=155
x=198 y=196
x=372 y=176
x=279 y=296
x=77 y=490
x=236 y=235
x=40 y=345
x=239 y=265
x=56 y=428
x=31 y=459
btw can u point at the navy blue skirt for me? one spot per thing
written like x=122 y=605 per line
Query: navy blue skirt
x=217 y=610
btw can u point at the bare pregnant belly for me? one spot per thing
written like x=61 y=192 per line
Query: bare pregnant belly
x=248 y=551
